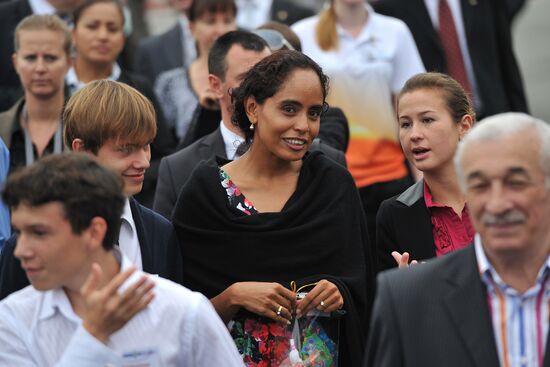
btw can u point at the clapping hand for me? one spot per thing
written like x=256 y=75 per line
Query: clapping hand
x=106 y=311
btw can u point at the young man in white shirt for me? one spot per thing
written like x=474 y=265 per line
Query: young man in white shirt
x=87 y=305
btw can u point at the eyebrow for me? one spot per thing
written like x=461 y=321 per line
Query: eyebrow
x=509 y=172
x=298 y=103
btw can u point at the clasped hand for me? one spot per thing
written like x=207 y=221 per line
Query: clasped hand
x=276 y=302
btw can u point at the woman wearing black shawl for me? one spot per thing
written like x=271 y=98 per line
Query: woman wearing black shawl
x=278 y=215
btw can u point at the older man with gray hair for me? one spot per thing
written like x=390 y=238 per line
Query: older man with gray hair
x=489 y=304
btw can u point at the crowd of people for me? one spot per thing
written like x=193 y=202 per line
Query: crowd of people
x=237 y=190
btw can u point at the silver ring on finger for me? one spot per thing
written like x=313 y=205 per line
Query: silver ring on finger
x=322 y=304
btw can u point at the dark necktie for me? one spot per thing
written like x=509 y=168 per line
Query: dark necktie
x=451 y=46
x=241 y=149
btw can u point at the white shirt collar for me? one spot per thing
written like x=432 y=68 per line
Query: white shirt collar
x=74 y=84
x=486 y=269
x=230 y=140
x=253 y=13
x=366 y=33
x=56 y=300
x=41 y=7
x=127 y=215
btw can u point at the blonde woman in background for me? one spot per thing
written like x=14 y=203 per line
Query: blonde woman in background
x=368 y=58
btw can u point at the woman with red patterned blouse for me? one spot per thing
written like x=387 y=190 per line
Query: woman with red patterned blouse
x=430 y=218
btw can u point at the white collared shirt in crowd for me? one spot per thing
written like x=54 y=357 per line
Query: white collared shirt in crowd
x=520 y=320
x=128 y=240
x=231 y=141
x=74 y=84
x=178 y=328
x=253 y=13
x=41 y=7
x=456 y=11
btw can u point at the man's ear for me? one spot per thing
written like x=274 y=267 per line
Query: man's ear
x=96 y=232
x=216 y=85
x=251 y=109
x=78 y=145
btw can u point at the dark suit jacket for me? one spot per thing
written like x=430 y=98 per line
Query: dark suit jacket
x=160 y=253
x=434 y=314
x=11 y=13
x=403 y=223
x=176 y=169
x=160 y=53
x=288 y=12
x=489 y=41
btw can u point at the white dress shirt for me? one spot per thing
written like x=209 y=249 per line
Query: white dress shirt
x=253 y=13
x=41 y=7
x=128 y=240
x=178 y=328
x=456 y=10
x=75 y=84
x=231 y=141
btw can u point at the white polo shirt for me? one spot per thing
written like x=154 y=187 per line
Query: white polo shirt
x=365 y=72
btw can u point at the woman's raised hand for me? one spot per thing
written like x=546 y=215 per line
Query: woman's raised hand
x=325 y=296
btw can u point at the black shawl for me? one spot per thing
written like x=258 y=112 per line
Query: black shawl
x=319 y=234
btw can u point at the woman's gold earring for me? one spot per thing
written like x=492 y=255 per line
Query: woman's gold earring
x=251 y=127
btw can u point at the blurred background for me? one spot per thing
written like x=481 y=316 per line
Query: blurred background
x=531 y=33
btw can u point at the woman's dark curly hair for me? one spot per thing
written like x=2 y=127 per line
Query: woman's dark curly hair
x=265 y=79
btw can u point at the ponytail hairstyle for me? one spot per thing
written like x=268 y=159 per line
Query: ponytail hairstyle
x=325 y=31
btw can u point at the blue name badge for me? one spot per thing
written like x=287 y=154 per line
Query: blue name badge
x=141 y=358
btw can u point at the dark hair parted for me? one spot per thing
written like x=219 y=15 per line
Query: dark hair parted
x=200 y=7
x=87 y=3
x=266 y=78
x=218 y=51
x=79 y=183
x=457 y=100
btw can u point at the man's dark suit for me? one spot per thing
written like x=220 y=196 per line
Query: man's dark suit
x=287 y=12
x=403 y=223
x=160 y=253
x=489 y=43
x=160 y=53
x=11 y=13
x=434 y=314
x=176 y=168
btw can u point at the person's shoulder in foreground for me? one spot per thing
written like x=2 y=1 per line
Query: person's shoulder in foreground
x=178 y=328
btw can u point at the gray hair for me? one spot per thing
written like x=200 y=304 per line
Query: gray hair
x=501 y=126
